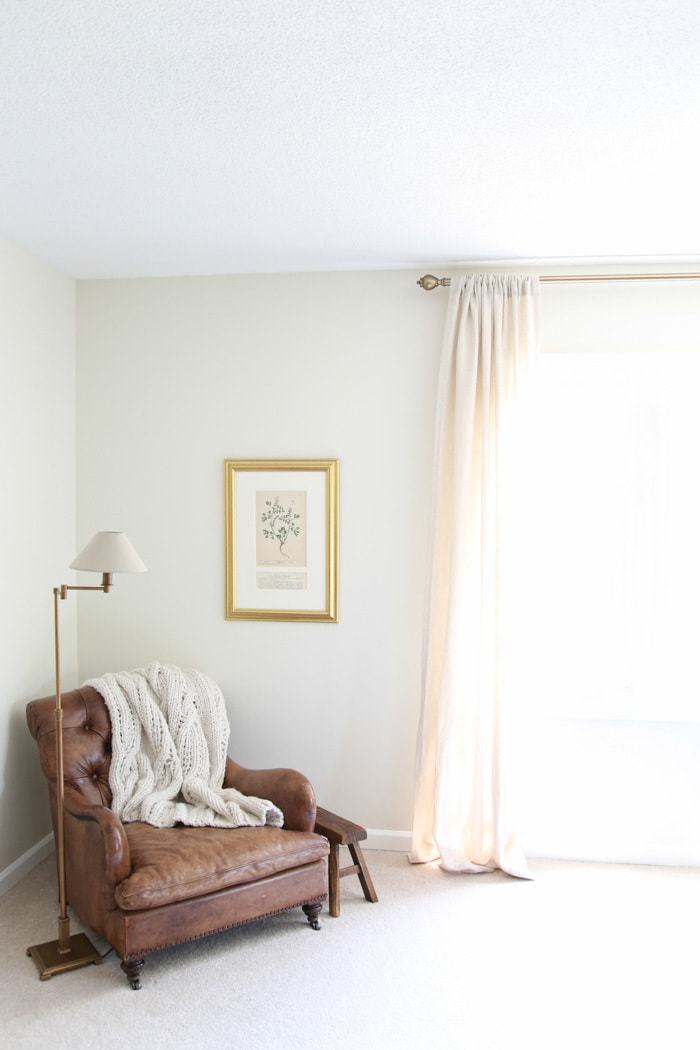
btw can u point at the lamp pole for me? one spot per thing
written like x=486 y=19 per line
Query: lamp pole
x=65 y=953
x=107 y=552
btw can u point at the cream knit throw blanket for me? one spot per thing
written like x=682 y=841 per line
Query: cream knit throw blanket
x=169 y=742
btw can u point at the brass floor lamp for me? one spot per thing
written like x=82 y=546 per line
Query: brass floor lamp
x=107 y=553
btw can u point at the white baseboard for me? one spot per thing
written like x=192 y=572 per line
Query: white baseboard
x=24 y=864
x=663 y=855
x=399 y=842
x=379 y=838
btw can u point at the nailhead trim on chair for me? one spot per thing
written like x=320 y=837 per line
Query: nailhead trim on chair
x=221 y=929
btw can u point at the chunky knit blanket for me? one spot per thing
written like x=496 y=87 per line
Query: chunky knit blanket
x=169 y=742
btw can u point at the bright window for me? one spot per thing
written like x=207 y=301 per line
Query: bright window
x=613 y=577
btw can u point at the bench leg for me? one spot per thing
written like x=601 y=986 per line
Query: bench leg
x=334 y=881
x=363 y=873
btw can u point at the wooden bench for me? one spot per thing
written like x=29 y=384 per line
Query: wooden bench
x=342 y=832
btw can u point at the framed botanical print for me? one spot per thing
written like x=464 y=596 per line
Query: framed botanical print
x=281 y=539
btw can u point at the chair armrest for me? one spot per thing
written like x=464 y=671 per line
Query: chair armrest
x=104 y=834
x=289 y=790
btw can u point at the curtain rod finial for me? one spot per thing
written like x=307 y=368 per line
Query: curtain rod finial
x=427 y=282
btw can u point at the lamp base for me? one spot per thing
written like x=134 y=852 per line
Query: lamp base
x=49 y=960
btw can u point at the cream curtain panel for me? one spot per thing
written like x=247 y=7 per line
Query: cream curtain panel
x=461 y=813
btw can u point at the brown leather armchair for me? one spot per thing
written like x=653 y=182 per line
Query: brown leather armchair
x=144 y=888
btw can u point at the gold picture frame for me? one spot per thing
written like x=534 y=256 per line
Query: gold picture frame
x=250 y=526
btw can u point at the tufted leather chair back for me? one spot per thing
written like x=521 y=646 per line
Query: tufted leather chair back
x=87 y=742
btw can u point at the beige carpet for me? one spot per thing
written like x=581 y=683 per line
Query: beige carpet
x=594 y=956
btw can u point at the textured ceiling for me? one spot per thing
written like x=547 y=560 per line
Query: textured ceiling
x=217 y=136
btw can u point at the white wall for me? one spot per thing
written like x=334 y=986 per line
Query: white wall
x=37 y=521
x=174 y=375
x=177 y=374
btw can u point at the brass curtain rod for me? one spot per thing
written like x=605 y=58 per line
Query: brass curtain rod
x=428 y=281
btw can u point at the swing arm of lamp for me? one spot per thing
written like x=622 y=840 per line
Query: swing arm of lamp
x=70 y=952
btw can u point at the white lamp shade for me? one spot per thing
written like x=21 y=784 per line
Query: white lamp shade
x=109 y=552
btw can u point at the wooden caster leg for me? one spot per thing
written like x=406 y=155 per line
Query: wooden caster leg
x=132 y=968
x=312 y=911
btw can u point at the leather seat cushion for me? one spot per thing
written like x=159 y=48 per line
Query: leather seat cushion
x=174 y=864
